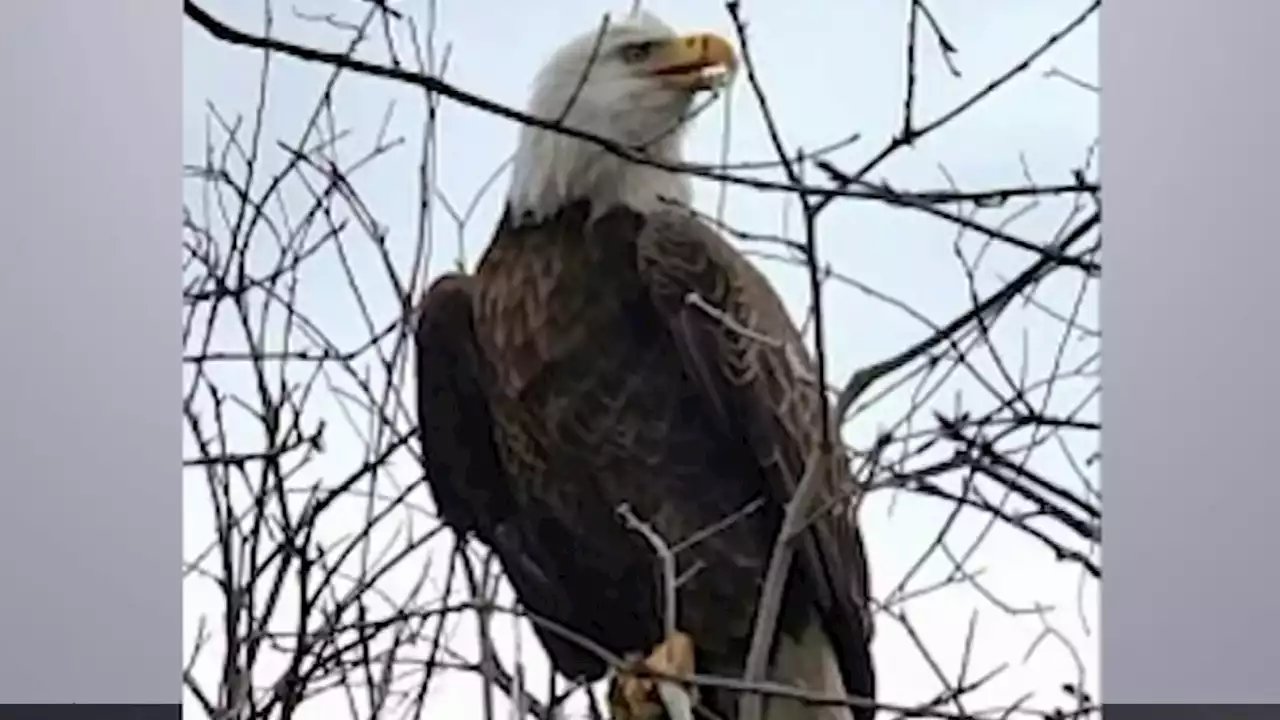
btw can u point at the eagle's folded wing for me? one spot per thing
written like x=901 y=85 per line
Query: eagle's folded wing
x=736 y=339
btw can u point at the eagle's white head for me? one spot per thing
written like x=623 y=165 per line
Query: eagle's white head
x=631 y=81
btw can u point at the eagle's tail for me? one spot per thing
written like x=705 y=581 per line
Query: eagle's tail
x=808 y=661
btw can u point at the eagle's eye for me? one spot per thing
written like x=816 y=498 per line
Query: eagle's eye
x=637 y=52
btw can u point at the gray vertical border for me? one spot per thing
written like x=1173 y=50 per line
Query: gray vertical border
x=1192 y=382
x=90 y=201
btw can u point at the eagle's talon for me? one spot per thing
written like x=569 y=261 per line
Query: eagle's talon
x=636 y=695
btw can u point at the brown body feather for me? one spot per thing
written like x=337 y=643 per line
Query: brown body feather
x=600 y=384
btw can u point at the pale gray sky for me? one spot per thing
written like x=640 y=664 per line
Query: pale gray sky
x=830 y=68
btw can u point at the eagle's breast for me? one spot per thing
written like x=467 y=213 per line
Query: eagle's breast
x=548 y=294
x=556 y=320
x=585 y=370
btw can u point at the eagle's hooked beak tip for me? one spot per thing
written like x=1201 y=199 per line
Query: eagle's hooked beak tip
x=700 y=61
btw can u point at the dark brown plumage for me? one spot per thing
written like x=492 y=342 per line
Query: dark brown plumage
x=570 y=374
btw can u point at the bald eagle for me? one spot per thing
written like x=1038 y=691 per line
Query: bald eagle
x=611 y=349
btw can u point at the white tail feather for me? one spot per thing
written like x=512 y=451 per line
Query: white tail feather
x=808 y=662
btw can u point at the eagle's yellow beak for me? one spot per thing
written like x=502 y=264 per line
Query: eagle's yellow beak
x=694 y=62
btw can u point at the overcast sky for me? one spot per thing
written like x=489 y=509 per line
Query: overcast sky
x=830 y=68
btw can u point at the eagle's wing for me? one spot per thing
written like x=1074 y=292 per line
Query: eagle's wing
x=472 y=492
x=758 y=381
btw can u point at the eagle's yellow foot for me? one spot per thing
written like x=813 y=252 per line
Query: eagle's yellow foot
x=635 y=696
